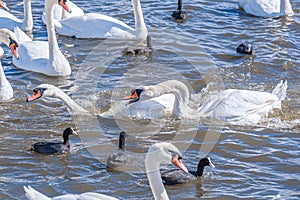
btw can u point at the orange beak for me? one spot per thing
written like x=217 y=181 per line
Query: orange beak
x=34 y=96
x=3 y=5
x=13 y=48
x=178 y=162
x=133 y=96
x=63 y=4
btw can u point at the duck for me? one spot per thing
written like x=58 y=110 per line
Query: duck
x=242 y=107
x=44 y=90
x=43 y=57
x=244 y=48
x=266 y=8
x=59 y=13
x=176 y=176
x=179 y=14
x=55 y=147
x=107 y=27
x=139 y=50
x=6 y=90
x=118 y=158
x=158 y=153
x=9 y=21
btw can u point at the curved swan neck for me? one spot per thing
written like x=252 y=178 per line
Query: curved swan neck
x=3 y=80
x=28 y=21
x=52 y=41
x=286 y=7
x=140 y=26
x=68 y=101
x=154 y=177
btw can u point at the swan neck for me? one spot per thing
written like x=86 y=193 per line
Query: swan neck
x=28 y=21
x=140 y=26
x=3 y=79
x=68 y=101
x=154 y=177
x=286 y=7
x=52 y=41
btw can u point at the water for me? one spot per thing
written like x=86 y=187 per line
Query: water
x=258 y=162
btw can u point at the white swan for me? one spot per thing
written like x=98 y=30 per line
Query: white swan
x=231 y=105
x=42 y=56
x=165 y=98
x=52 y=91
x=59 y=13
x=172 y=97
x=266 y=8
x=158 y=153
x=9 y=21
x=242 y=107
x=6 y=91
x=94 y=25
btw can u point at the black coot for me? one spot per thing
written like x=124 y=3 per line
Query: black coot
x=178 y=176
x=54 y=147
x=244 y=48
x=139 y=50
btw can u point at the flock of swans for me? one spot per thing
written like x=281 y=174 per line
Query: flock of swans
x=167 y=98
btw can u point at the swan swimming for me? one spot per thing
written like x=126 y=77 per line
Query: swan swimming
x=94 y=25
x=158 y=153
x=43 y=56
x=9 y=21
x=172 y=97
x=266 y=8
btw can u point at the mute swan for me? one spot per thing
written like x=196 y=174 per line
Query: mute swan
x=266 y=8
x=43 y=56
x=118 y=158
x=59 y=13
x=54 y=147
x=6 y=37
x=158 y=153
x=51 y=90
x=176 y=176
x=94 y=25
x=139 y=50
x=179 y=14
x=9 y=21
x=242 y=107
x=244 y=48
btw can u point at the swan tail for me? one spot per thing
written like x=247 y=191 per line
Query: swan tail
x=280 y=90
x=21 y=36
x=32 y=194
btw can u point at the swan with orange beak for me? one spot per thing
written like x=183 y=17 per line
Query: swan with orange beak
x=3 y=5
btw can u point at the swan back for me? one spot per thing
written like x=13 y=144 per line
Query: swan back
x=6 y=91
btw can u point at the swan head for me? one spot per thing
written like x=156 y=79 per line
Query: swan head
x=244 y=48
x=135 y=96
x=165 y=152
x=41 y=91
x=63 y=4
x=3 y=5
x=9 y=39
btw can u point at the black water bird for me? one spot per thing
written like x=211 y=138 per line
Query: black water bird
x=120 y=157
x=178 y=176
x=55 y=147
x=179 y=14
x=139 y=50
x=244 y=48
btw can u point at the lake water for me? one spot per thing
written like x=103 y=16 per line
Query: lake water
x=252 y=161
